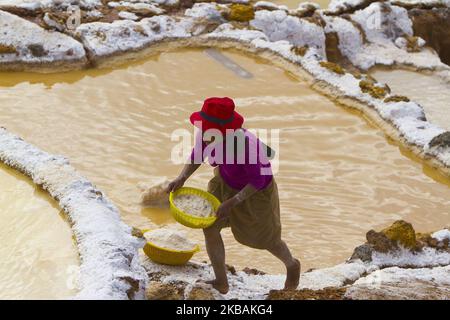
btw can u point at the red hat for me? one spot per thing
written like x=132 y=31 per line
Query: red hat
x=217 y=113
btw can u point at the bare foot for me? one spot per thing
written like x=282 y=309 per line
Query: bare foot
x=222 y=287
x=293 y=276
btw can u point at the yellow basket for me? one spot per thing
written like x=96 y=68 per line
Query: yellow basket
x=192 y=221
x=168 y=256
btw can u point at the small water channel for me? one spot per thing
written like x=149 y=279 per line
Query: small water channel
x=293 y=4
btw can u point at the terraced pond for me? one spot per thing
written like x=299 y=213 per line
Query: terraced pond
x=429 y=91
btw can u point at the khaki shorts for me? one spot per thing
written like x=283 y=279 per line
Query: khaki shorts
x=254 y=222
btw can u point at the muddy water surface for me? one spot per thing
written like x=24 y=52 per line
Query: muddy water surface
x=338 y=176
x=38 y=259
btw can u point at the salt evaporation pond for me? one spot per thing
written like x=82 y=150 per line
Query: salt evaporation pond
x=38 y=257
x=338 y=176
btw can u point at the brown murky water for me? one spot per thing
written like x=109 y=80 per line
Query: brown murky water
x=428 y=90
x=38 y=257
x=338 y=176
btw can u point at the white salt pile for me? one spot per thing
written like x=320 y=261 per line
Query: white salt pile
x=155 y=195
x=169 y=239
x=194 y=205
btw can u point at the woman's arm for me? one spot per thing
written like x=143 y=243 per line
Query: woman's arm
x=225 y=208
x=187 y=171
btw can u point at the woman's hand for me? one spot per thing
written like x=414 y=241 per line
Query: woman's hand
x=176 y=184
x=224 y=209
x=188 y=170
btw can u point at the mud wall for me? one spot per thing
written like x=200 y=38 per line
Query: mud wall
x=434 y=27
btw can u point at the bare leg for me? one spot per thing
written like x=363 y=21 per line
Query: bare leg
x=281 y=251
x=216 y=253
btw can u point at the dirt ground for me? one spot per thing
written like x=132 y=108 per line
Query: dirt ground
x=307 y=294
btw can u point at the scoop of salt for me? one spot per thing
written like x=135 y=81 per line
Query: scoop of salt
x=170 y=239
x=194 y=205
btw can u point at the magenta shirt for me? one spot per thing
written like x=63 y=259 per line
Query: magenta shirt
x=251 y=167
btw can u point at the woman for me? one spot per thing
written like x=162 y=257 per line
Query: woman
x=243 y=182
